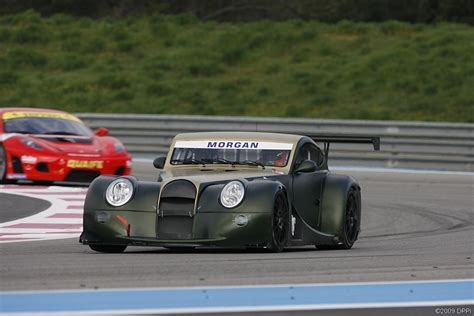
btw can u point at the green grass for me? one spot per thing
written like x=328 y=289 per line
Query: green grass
x=177 y=64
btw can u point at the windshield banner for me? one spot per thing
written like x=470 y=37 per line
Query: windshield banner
x=233 y=144
x=15 y=115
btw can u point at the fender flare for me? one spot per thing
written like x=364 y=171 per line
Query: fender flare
x=273 y=186
x=334 y=202
x=259 y=196
x=144 y=199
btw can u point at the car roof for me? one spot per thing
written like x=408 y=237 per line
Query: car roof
x=21 y=109
x=257 y=136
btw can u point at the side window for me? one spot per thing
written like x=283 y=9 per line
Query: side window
x=310 y=152
x=302 y=153
x=316 y=155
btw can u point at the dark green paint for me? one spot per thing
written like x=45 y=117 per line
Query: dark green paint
x=316 y=198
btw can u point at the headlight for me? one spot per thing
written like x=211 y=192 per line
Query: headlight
x=119 y=192
x=232 y=194
x=119 y=147
x=31 y=143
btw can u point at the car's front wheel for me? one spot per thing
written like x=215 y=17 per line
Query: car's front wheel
x=3 y=167
x=280 y=223
x=3 y=164
x=108 y=248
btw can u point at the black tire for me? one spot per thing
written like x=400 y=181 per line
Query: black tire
x=108 y=248
x=351 y=222
x=43 y=182
x=351 y=219
x=3 y=165
x=280 y=223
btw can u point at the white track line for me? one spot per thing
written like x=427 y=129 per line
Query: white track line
x=56 y=222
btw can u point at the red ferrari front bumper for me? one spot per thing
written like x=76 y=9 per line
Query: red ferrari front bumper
x=70 y=167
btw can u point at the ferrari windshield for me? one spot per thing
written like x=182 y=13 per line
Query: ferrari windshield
x=46 y=125
x=231 y=152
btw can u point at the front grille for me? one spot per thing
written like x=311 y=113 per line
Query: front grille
x=177 y=199
x=175 y=227
x=120 y=171
x=42 y=167
x=81 y=175
x=176 y=210
x=17 y=167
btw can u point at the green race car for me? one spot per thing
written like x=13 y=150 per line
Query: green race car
x=230 y=189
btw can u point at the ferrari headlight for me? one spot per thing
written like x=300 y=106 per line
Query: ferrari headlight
x=232 y=194
x=31 y=143
x=119 y=192
x=119 y=147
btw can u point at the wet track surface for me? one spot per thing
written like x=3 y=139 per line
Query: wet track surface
x=414 y=227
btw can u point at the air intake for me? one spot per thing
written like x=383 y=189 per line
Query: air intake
x=176 y=210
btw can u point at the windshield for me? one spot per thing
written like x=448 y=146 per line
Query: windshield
x=46 y=125
x=231 y=152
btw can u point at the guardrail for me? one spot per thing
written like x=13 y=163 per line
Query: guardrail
x=420 y=145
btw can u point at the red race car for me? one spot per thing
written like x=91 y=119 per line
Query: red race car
x=49 y=145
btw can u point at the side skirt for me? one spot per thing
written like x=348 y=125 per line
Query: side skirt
x=306 y=235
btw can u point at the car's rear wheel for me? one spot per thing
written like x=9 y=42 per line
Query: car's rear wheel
x=351 y=222
x=108 y=248
x=280 y=223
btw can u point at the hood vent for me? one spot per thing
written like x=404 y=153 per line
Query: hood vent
x=176 y=210
x=177 y=199
x=66 y=139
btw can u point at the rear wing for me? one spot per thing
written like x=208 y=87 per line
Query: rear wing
x=354 y=139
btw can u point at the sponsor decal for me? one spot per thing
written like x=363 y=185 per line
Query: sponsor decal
x=236 y=145
x=89 y=164
x=23 y=114
x=19 y=176
x=233 y=144
x=28 y=159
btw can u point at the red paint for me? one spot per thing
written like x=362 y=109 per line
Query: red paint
x=99 y=151
x=124 y=221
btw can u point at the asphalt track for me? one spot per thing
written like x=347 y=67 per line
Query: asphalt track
x=22 y=207
x=415 y=226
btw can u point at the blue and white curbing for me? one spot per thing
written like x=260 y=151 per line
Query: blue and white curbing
x=241 y=298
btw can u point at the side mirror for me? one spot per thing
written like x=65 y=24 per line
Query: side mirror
x=159 y=162
x=306 y=167
x=102 y=131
